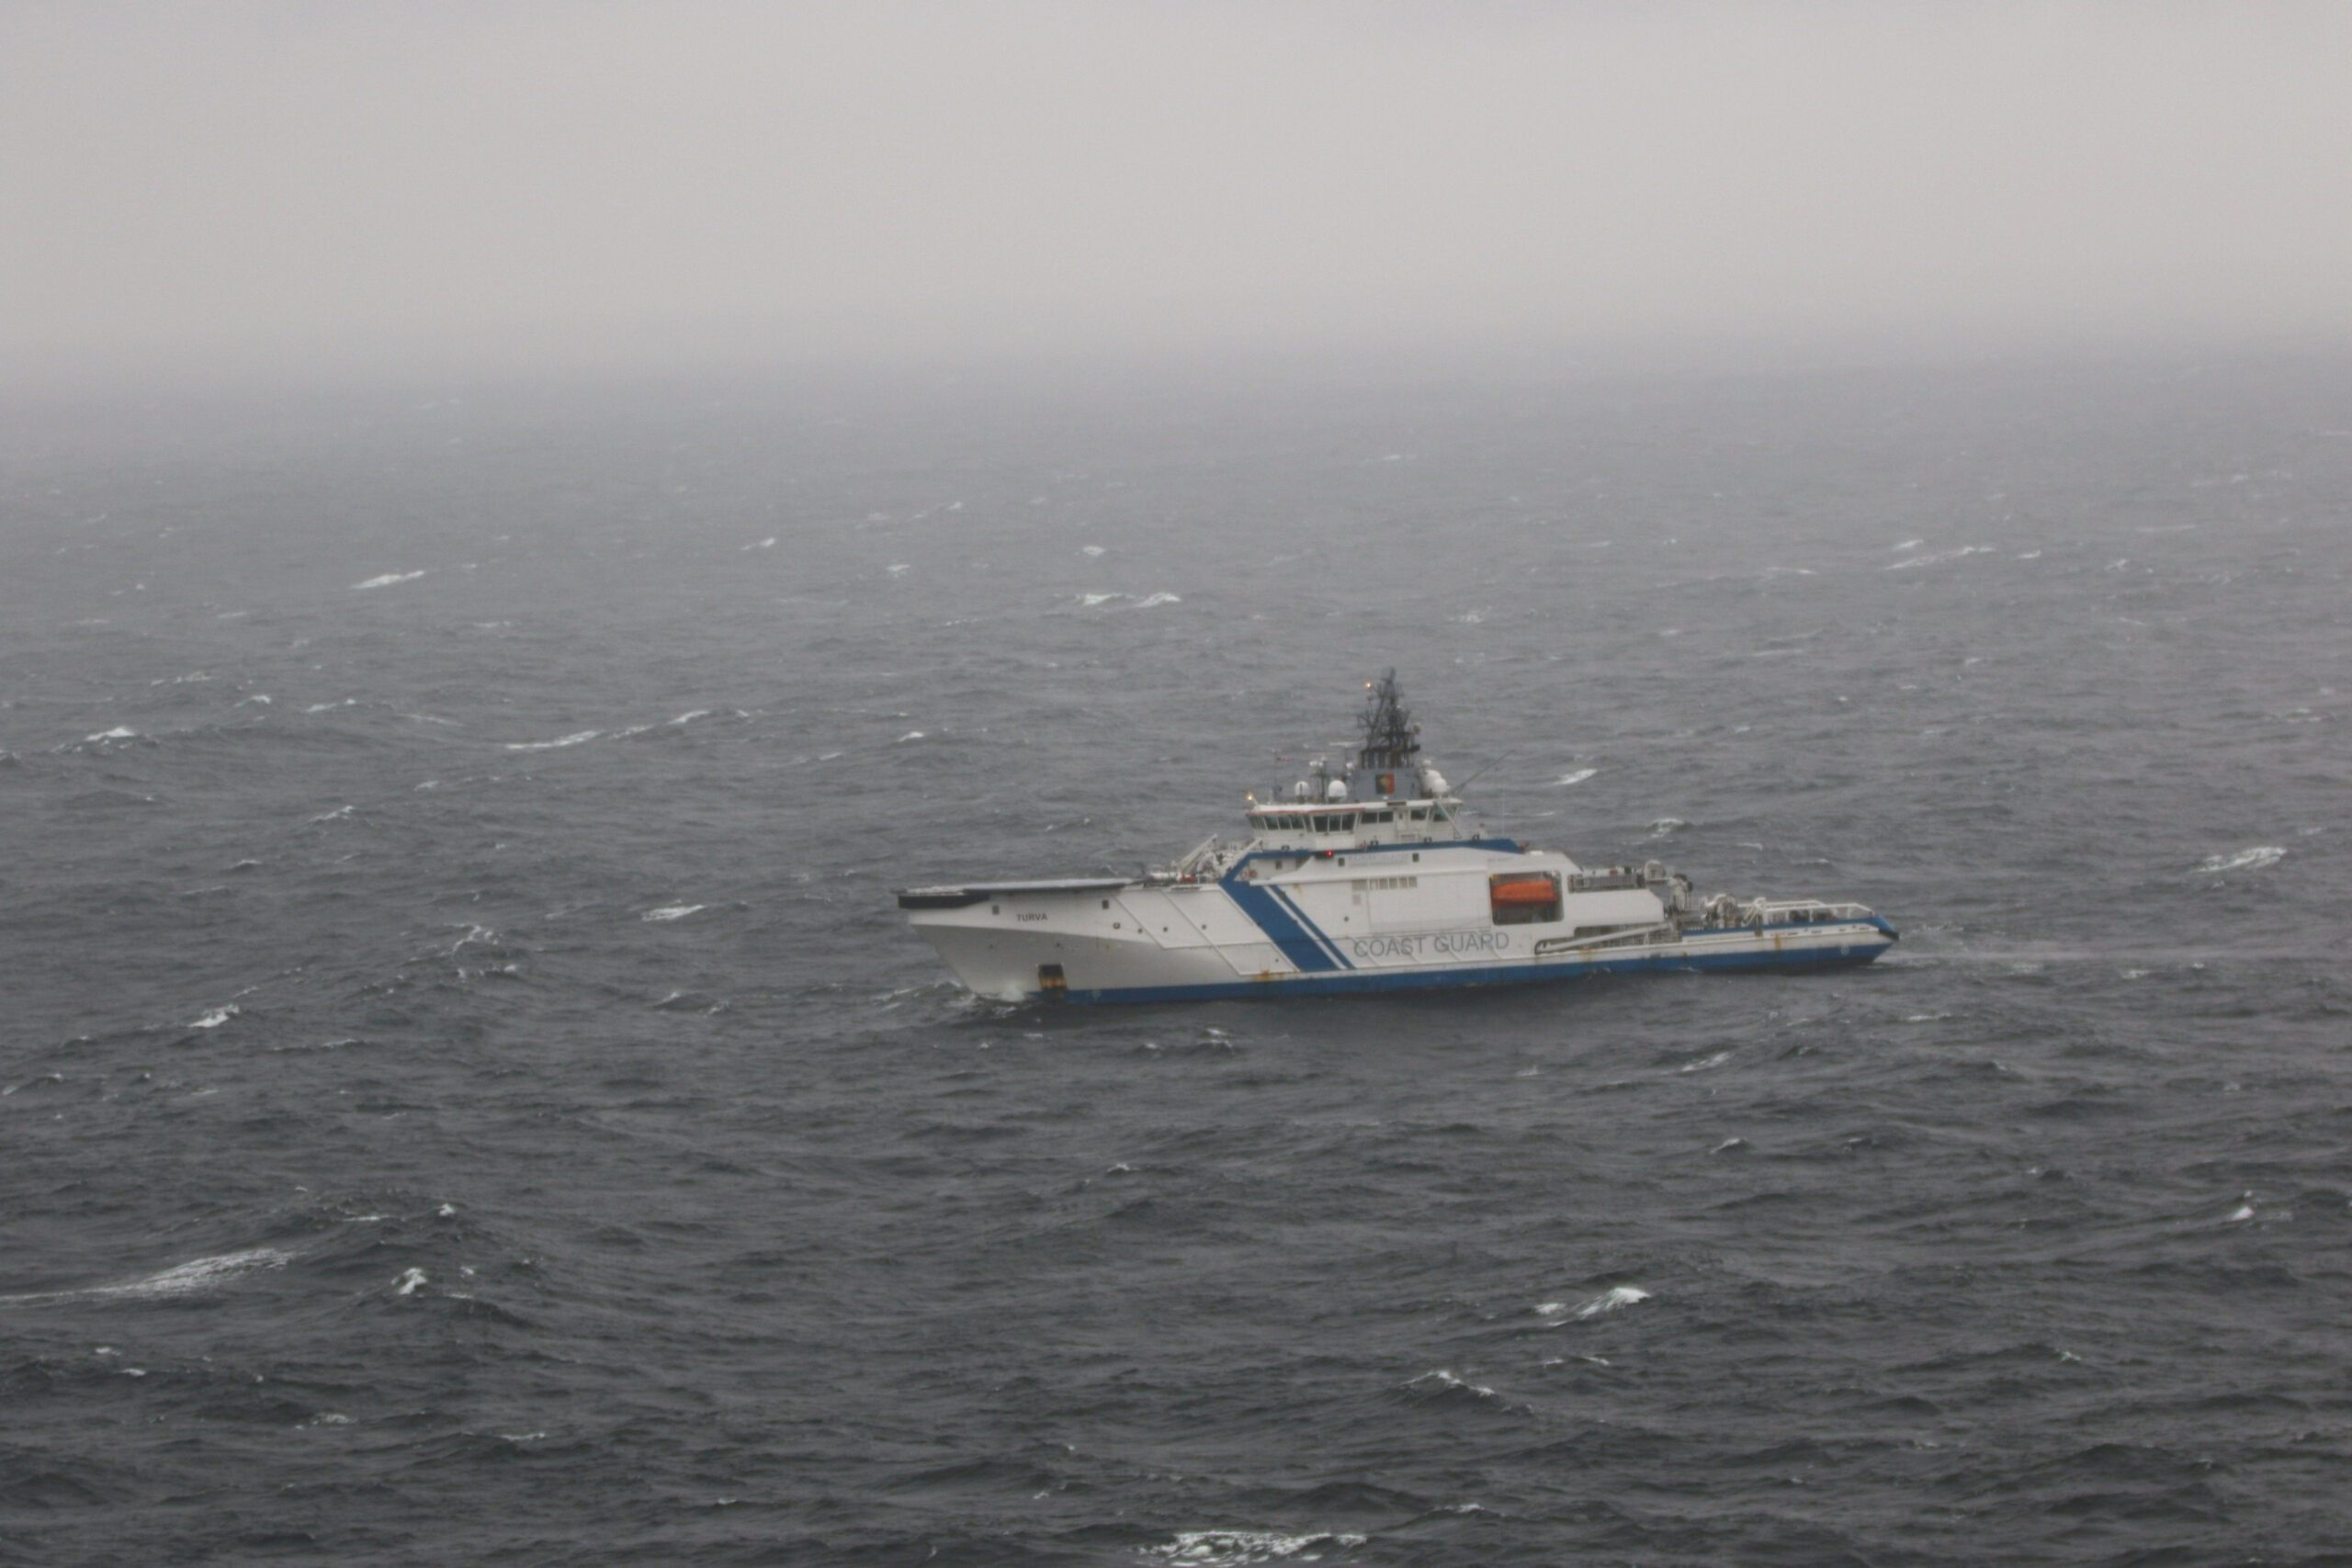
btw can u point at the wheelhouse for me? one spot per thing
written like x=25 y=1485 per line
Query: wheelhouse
x=1345 y=824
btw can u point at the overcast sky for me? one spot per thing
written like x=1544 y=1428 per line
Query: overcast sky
x=351 y=186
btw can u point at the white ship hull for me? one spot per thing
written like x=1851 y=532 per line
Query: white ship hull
x=1391 y=918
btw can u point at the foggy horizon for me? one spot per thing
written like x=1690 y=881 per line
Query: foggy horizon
x=202 y=194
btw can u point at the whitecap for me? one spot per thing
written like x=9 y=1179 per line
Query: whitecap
x=910 y=735
x=1701 y=1065
x=672 y=911
x=898 y=569
x=180 y=1280
x=1962 y=553
x=119 y=732
x=1444 y=1379
x=1551 y=1308
x=340 y=813
x=766 y=544
x=2260 y=858
x=216 y=1018
x=1612 y=1299
x=1666 y=826
x=1091 y=550
x=1565 y=780
x=388 y=580
x=582 y=739
x=1728 y=1145
x=1150 y=600
x=324 y=708
x=1242 y=1549
x=690 y=717
x=1091 y=600
x=2244 y=1211
x=408 y=1284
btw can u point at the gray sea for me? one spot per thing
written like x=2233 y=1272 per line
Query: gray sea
x=465 y=1094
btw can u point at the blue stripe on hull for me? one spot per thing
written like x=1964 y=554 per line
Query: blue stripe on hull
x=1290 y=902
x=1270 y=916
x=1362 y=981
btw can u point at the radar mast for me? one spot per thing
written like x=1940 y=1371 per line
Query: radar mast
x=1391 y=742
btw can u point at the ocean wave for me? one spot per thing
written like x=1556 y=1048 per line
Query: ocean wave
x=1961 y=553
x=1446 y=1383
x=1565 y=780
x=387 y=581
x=1242 y=1549
x=672 y=911
x=1612 y=1299
x=581 y=739
x=181 y=1280
x=2260 y=858
x=1128 y=601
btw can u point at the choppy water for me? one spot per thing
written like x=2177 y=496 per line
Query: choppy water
x=465 y=1093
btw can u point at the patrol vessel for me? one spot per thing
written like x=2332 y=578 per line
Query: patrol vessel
x=1367 y=877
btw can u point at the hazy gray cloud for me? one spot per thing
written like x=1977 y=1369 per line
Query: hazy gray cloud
x=351 y=185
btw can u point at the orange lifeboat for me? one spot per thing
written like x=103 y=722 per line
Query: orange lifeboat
x=1516 y=892
x=1525 y=897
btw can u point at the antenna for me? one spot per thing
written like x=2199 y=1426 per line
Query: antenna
x=1482 y=773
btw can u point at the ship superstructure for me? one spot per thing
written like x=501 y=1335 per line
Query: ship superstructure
x=1363 y=876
